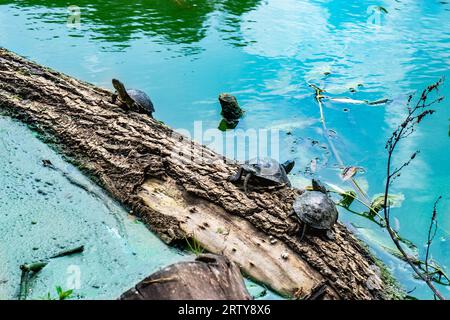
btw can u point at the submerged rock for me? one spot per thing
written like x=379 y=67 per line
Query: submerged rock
x=231 y=111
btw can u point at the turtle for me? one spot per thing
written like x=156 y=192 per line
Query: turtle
x=316 y=210
x=266 y=171
x=136 y=100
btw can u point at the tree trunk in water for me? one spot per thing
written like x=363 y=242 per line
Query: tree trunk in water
x=180 y=189
x=209 y=277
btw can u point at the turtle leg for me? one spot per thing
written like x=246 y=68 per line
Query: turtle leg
x=247 y=178
x=236 y=177
x=303 y=232
x=330 y=235
x=139 y=108
x=114 y=97
x=292 y=214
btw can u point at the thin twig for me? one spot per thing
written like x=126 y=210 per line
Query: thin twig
x=319 y=97
x=403 y=130
x=431 y=234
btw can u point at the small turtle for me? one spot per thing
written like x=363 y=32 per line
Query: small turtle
x=266 y=171
x=315 y=209
x=135 y=99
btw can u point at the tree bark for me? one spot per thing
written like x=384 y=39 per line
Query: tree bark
x=180 y=189
x=209 y=277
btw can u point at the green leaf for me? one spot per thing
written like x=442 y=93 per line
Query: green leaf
x=393 y=200
x=63 y=294
x=347 y=198
x=67 y=294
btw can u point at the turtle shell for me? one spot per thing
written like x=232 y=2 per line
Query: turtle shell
x=141 y=98
x=316 y=209
x=267 y=169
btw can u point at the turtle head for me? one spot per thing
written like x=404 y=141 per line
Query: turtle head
x=122 y=92
x=117 y=85
x=288 y=166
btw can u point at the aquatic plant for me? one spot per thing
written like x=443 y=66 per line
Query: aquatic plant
x=416 y=114
x=194 y=245
x=62 y=295
x=428 y=271
x=319 y=97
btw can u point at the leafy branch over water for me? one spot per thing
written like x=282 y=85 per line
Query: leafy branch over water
x=429 y=272
x=416 y=114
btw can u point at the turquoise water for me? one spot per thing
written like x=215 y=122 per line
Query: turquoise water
x=184 y=53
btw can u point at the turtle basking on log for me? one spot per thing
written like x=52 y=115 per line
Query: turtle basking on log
x=135 y=100
x=316 y=210
x=265 y=172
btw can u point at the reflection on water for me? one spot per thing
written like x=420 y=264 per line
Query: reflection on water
x=174 y=21
x=184 y=53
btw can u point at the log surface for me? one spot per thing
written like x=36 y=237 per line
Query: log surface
x=209 y=277
x=180 y=188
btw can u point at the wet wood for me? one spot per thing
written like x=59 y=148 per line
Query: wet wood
x=180 y=188
x=209 y=277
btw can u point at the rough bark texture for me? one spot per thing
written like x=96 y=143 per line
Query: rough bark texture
x=167 y=180
x=209 y=277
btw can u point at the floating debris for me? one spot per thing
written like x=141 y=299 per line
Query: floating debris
x=48 y=164
x=30 y=269
x=350 y=172
x=355 y=101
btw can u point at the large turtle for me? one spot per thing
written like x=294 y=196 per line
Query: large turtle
x=136 y=100
x=265 y=171
x=315 y=209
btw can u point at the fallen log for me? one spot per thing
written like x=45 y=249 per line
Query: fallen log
x=209 y=277
x=180 y=189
